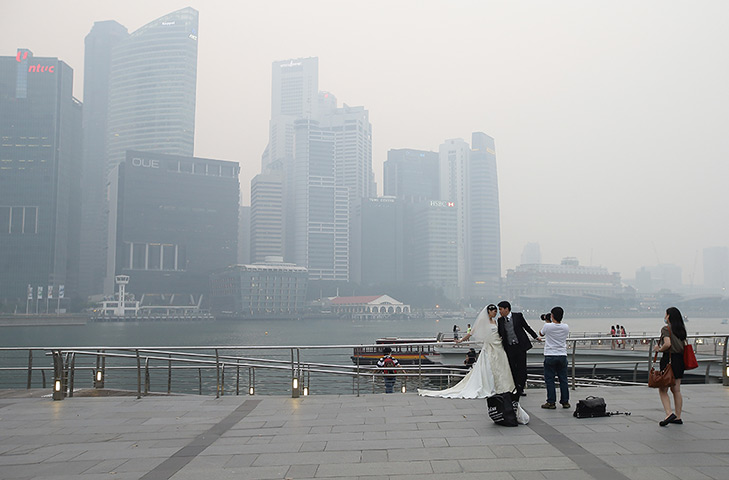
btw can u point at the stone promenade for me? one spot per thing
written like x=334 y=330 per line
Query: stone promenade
x=398 y=436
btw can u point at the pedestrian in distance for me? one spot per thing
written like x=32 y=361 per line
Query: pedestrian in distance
x=456 y=331
x=613 y=333
x=555 y=335
x=471 y=357
x=671 y=343
x=513 y=328
x=389 y=365
x=623 y=334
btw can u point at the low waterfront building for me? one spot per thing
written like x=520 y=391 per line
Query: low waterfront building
x=539 y=285
x=268 y=288
x=372 y=306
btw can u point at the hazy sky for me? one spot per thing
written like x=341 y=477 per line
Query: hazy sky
x=611 y=118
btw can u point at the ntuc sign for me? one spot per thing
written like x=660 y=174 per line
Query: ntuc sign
x=22 y=56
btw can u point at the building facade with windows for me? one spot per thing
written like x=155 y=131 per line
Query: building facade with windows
x=40 y=176
x=468 y=177
x=173 y=222
x=152 y=88
x=411 y=175
x=269 y=288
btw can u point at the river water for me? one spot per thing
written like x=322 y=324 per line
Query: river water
x=322 y=331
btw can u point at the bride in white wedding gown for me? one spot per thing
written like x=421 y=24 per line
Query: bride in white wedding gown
x=491 y=373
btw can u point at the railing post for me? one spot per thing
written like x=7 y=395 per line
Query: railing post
x=251 y=381
x=199 y=380
x=420 y=366
x=222 y=379
x=71 y=374
x=237 y=378
x=650 y=354
x=217 y=374
x=30 y=367
x=139 y=375
x=146 y=375
x=574 y=381
x=169 y=374
x=357 y=374
x=635 y=373
x=725 y=364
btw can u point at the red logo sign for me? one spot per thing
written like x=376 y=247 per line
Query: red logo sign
x=23 y=55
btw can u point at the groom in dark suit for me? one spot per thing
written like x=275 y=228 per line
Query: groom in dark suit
x=513 y=329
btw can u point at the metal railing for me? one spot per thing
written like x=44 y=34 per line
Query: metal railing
x=281 y=369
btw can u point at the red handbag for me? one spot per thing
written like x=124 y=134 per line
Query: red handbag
x=689 y=357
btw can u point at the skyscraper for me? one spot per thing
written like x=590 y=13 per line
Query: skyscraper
x=40 y=172
x=141 y=93
x=411 y=175
x=99 y=43
x=352 y=148
x=266 y=216
x=324 y=154
x=152 y=88
x=468 y=177
x=317 y=219
x=294 y=95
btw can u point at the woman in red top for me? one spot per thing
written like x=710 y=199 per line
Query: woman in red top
x=673 y=337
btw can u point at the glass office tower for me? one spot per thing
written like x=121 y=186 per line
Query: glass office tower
x=40 y=172
x=152 y=88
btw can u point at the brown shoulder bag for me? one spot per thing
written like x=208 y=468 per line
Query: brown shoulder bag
x=661 y=378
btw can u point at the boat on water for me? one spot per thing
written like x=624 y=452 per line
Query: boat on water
x=725 y=321
x=438 y=350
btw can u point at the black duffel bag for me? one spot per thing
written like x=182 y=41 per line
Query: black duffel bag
x=591 y=407
x=502 y=409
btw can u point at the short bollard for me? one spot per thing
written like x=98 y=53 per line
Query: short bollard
x=295 y=388
x=58 y=393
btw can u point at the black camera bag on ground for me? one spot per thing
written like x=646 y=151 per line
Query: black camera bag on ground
x=502 y=409
x=591 y=407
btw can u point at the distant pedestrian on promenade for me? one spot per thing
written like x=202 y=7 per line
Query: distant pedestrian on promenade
x=471 y=357
x=671 y=342
x=612 y=334
x=555 y=335
x=623 y=334
x=468 y=329
x=388 y=364
x=456 y=331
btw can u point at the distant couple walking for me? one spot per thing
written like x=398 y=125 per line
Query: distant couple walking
x=502 y=365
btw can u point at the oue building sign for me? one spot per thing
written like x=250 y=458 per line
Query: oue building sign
x=145 y=162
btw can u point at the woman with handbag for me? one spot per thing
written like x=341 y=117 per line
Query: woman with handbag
x=673 y=337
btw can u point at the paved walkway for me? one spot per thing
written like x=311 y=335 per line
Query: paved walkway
x=398 y=436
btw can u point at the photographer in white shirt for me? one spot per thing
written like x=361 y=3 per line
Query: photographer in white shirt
x=555 y=334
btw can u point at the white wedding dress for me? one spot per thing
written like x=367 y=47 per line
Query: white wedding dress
x=490 y=374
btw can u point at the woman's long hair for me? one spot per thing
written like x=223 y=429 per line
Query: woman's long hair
x=675 y=319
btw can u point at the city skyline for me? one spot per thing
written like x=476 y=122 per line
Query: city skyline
x=609 y=132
